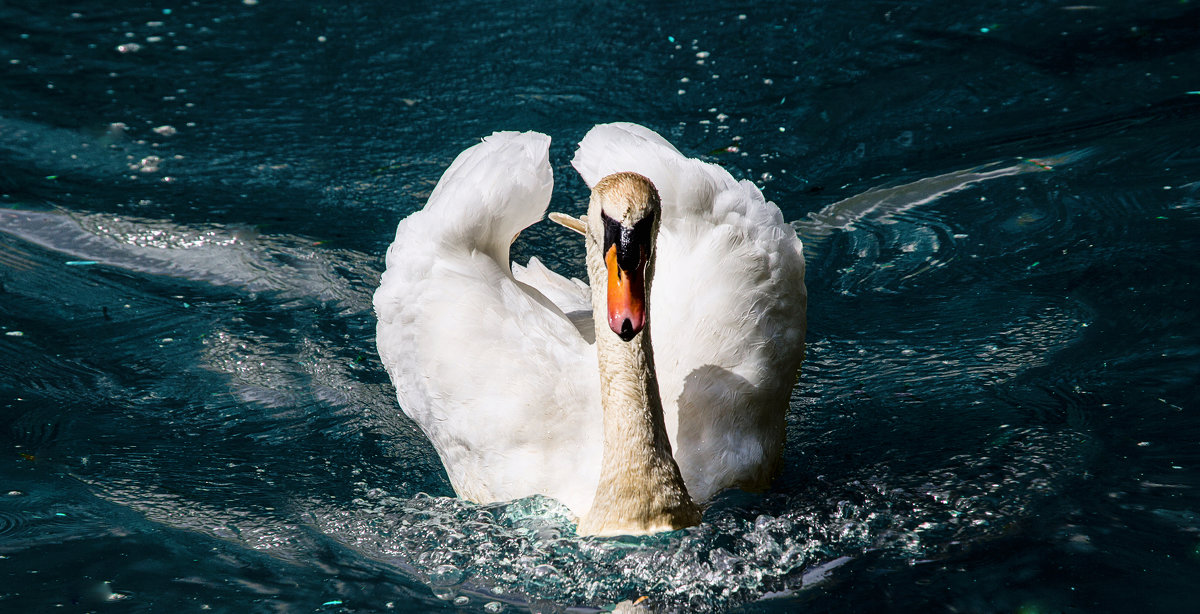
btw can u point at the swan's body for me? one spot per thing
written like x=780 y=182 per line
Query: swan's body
x=499 y=367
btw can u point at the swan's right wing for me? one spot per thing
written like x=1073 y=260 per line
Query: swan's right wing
x=493 y=372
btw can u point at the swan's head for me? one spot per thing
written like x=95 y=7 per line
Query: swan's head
x=628 y=225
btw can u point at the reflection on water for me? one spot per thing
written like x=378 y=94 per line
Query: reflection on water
x=999 y=209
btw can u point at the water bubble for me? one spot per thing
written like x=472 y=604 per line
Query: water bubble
x=446 y=575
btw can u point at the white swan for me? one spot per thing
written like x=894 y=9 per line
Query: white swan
x=500 y=368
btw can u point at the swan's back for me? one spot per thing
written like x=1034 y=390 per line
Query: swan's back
x=727 y=309
x=484 y=364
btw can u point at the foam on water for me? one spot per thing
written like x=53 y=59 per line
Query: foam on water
x=749 y=548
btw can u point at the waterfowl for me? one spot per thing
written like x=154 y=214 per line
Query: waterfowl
x=630 y=400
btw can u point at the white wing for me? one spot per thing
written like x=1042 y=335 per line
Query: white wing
x=727 y=308
x=496 y=375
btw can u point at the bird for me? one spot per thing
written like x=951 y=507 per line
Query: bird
x=633 y=399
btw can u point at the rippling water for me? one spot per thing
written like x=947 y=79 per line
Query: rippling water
x=1000 y=208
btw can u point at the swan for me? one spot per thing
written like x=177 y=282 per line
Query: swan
x=633 y=399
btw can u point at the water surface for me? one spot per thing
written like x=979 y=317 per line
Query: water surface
x=999 y=204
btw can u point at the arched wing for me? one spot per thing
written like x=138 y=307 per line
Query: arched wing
x=493 y=372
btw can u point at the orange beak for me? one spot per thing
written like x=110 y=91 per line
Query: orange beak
x=626 y=297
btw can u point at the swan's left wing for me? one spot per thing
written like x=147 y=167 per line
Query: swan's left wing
x=727 y=308
x=495 y=374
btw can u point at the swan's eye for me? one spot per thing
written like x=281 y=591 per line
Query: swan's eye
x=641 y=230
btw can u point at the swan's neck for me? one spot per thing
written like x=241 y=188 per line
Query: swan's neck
x=640 y=490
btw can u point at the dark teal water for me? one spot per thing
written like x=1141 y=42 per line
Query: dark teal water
x=999 y=412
